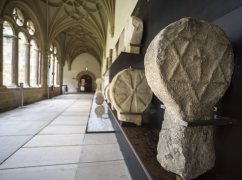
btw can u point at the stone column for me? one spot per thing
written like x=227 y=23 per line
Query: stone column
x=53 y=73
x=15 y=61
x=27 y=64
x=44 y=68
x=37 y=67
x=1 y=54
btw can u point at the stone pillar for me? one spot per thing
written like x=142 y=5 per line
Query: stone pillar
x=45 y=64
x=1 y=54
x=15 y=61
x=188 y=66
x=37 y=67
x=27 y=64
x=53 y=73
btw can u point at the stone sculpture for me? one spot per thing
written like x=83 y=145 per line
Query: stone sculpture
x=188 y=66
x=99 y=110
x=106 y=93
x=99 y=100
x=99 y=84
x=130 y=95
x=133 y=35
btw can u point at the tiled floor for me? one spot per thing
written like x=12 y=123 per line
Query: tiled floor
x=47 y=141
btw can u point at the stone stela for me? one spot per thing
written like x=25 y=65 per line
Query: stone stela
x=188 y=66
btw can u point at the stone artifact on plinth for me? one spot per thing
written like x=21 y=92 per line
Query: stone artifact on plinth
x=99 y=99
x=106 y=93
x=99 y=110
x=133 y=35
x=130 y=95
x=99 y=84
x=188 y=66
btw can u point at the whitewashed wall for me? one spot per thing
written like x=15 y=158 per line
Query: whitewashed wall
x=79 y=64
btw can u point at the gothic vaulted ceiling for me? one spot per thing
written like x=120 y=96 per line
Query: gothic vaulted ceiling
x=78 y=25
x=81 y=24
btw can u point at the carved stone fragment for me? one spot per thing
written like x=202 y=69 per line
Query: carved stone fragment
x=106 y=93
x=99 y=99
x=130 y=95
x=99 y=84
x=133 y=35
x=188 y=66
x=99 y=110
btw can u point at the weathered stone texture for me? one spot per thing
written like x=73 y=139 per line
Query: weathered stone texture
x=99 y=110
x=133 y=35
x=106 y=93
x=130 y=93
x=99 y=99
x=188 y=66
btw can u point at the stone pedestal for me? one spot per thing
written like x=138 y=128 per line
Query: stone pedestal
x=188 y=66
x=99 y=84
x=130 y=95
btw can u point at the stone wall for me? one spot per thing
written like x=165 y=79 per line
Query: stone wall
x=10 y=98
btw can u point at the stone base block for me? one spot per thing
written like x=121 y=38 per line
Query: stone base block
x=136 y=119
x=186 y=151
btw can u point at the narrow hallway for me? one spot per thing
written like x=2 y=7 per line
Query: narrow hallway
x=47 y=140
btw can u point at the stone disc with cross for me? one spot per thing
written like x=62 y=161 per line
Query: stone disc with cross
x=130 y=95
x=188 y=66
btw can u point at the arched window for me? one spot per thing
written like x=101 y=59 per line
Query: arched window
x=51 y=70
x=7 y=53
x=18 y=16
x=39 y=68
x=30 y=27
x=21 y=57
x=33 y=63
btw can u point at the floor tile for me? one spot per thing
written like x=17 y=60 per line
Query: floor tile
x=64 y=130
x=66 y=172
x=56 y=140
x=97 y=153
x=102 y=138
x=21 y=128
x=27 y=157
x=103 y=171
x=9 y=144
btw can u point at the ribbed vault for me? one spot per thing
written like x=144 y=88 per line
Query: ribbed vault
x=80 y=25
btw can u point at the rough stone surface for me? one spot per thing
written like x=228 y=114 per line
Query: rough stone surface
x=106 y=93
x=99 y=110
x=130 y=93
x=99 y=100
x=188 y=66
x=133 y=34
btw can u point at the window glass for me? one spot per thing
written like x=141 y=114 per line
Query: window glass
x=18 y=16
x=30 y=27
x=7 y=53
x=33 y=63
x=22 y=57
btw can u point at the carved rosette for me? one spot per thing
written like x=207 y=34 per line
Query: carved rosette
x=188 y=66
x=130 y=95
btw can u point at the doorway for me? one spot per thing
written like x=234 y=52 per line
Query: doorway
x=85 y=83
